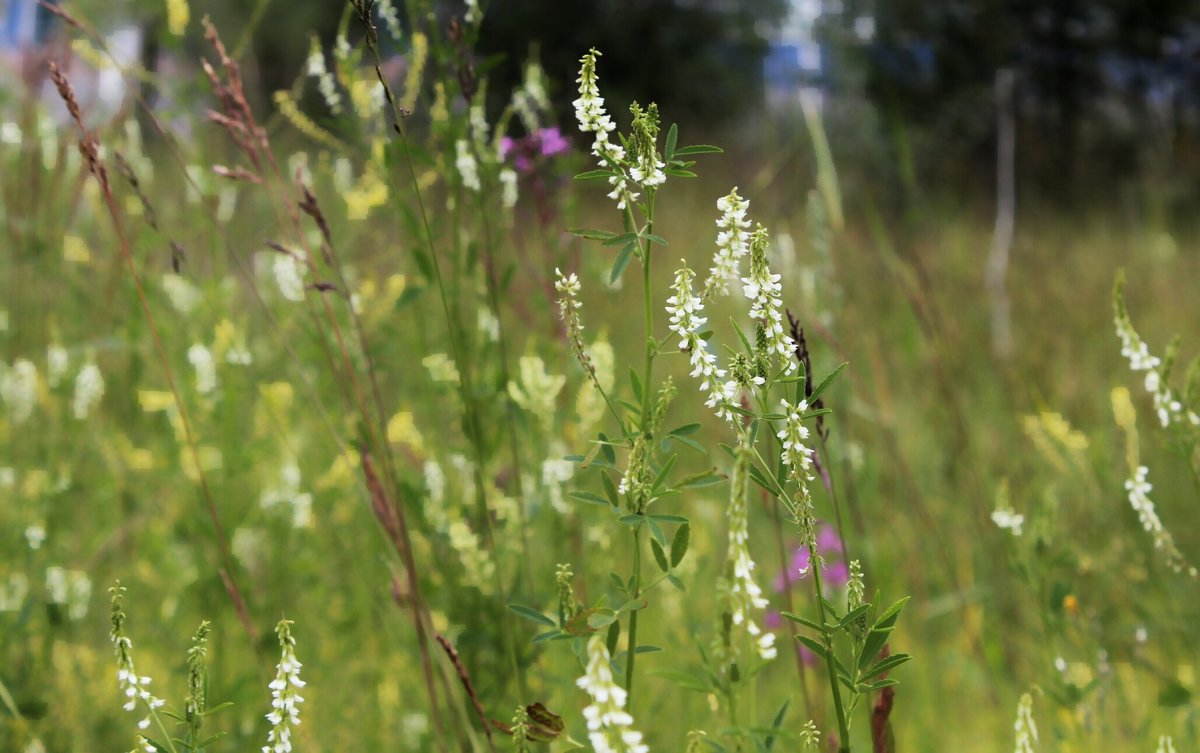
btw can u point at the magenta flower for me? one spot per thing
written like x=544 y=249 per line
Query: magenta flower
x=552 y=142
x=835 y=574
x=528 y=151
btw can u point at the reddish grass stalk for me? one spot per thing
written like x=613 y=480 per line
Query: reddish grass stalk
x=467 y=686
x=89 y=146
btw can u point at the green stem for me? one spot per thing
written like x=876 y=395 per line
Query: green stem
x=834 y=683
x=633 y=616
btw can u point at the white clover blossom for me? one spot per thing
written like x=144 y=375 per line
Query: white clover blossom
x=289 y=276
x=685 y=310
x=19 y=388
x=465 y=163
x=285 y=713
x=762 y=288
x=391 y=19
x=1025 y=728
x=133 y=685
x=610 y=726
x=89 y=388
x=743 y=595
x=326 y=84
x=732 y=244
x=589 y=111
x=508 y=187
x=182 y=294
x=201 y=359
x=796 y=454
x=1139 y=499
x=57 y=363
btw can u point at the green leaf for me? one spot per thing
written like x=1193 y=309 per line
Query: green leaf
x=656 y=532
x=679 y=544
x=805 y=622
x=663 y=472
x=622 y=262
x=601 y=618
x=659 y=555
x=618 y=239
x=705 y=478
x=1173 y=695
x=647 y=650
x=410 y=294
x=672 y=140
x=632 y=519
x=610 y=489
x=674 y=581
x=590 y=498
x=884 y=665
x=595 y=175
x=853 y=615
x=776 y=724
x=636 y=383
x=684 y=680
x=698 y=149
x=684 y=430
x=656 y=239
x=826 y=382
x=677 y=173
x=590 y=234
x=815 y=646
x=549 y=635
x=665 y=518
x=879 y=634
x=614 y=634
x=532 y=614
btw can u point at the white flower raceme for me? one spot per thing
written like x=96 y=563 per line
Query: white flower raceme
x=182 y=294
x=732 y=244
x=1026 y=730
x=201 y=359
x=1167 y=405
x=326 y=84
x=685 y=310
x=133 y=685
x=57 y=363
x=1139 y=499
x=1008 y=519
x=589 y=111
x=610 y=727
x=391 y=19
x=1166 y=744
x=89 y=388
x=285 y=713
x=508 y=187
x=796 y=454
x=464 y=161
x=19 y=388
x=742 y=594
x=289 y=276
x=647 y=170
x=766 y=307
x=531 y=98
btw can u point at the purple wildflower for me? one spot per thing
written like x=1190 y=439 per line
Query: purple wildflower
x=835 y=574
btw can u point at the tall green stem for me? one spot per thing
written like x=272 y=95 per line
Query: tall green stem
x=834 y=683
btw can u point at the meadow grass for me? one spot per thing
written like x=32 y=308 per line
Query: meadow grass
x=348 y=401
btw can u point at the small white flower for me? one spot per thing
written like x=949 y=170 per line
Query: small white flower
x=206 y=370
x=685 y=311
x=732 y=244
x=285 y=701
x=182 y=294
x=766 y=307
x=57 y=363
x=796 y=454
x=326 y=84
x=508 y=187
x=89 y=388
x=1008 y=520
x=289 y=276
x=609 y=725
x=35 y=535
x=465 y=163
x=19 y=388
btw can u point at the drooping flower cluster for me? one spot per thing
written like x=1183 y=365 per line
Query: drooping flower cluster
x=742 y=595
x=1167 y=406
x=732 y=244
x=686 y=311
x=796 y=454
x=315 y=66
x=89 y=388
x=1139 y=499
x=464 y=161
x=610 y=726
x=133 y=685
x=766 y=307
x=285 y=713
x=1026 y=730
x=589 y=111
